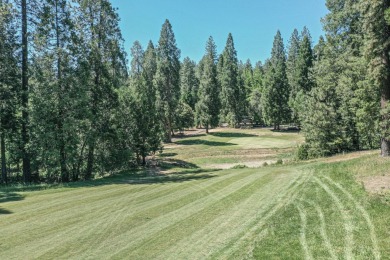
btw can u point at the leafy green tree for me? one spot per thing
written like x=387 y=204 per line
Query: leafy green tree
x=188 y=83
x=276 y=89
x=207 y=107
x=167 y=78
x=229 y=80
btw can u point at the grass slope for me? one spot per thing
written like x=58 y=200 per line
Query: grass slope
x=309 y=210
x=226 y=148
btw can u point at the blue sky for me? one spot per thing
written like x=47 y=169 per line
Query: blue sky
x=253 y=23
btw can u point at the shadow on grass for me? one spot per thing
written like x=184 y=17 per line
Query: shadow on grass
x=167 y=154
x=193 y=171
x=286 y=130
x=7 y=197
x=183 y=136
x=10 y=196
x=203 y=142
x=232 y=135
x=189 y=172
x=5 y=212
x=170 y=163
x=172 y=178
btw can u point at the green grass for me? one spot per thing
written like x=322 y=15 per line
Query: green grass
x=225 y=149
x=312 y=210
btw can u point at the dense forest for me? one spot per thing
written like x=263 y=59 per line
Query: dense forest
x=72 y=107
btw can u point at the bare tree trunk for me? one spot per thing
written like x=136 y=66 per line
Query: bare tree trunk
x=168 y=133
x=60 y=119
x=24 y=97
x=143 y=160
x=3 y=161
x=385 y=99
x=90 y=161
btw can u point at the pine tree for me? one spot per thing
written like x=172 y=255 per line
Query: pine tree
x=103 y=70
x=138 y=58
x=188 y=83
x=52 y=116
x=318 y=50
x=230 y=89
x=150 y=62
x=292 y=58
x=246 y=86
x=377 y=50
x=348 y=114
x=9 y=79
x=207 y=107
x=139 y=123
x=24 y=95
x=300 y=78
x=321 y=120
x=254 y=98
x=167 y=78
x=276 y=88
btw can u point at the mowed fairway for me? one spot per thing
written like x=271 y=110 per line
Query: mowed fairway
x=294 y=211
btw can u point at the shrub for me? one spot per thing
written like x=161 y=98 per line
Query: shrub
x=302 y=152
x=239 y=166
x=279 y=162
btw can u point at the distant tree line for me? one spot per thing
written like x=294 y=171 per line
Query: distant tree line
x=71 y=109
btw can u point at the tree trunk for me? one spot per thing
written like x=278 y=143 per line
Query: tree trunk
x=385 y=99
x=90 y=161
x=385 y=147
x=207 y=128
x=168 y=133
x=3 y=161
x=60 y=119
x=24 y=97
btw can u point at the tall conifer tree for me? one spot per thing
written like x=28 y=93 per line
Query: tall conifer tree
x=207 y=108
x=167 y=78
x=276 y=88
x=229 y=80
x=188 y=83
x=378 y=52
x=9 y=78
x=52 y=96
x=103 y=70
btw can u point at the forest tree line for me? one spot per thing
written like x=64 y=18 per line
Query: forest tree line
x=72 y=109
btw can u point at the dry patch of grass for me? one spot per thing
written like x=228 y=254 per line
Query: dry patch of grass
x=347 y=156
x=376 y=184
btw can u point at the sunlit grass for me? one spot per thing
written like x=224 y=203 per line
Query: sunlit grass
x=313 y=210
